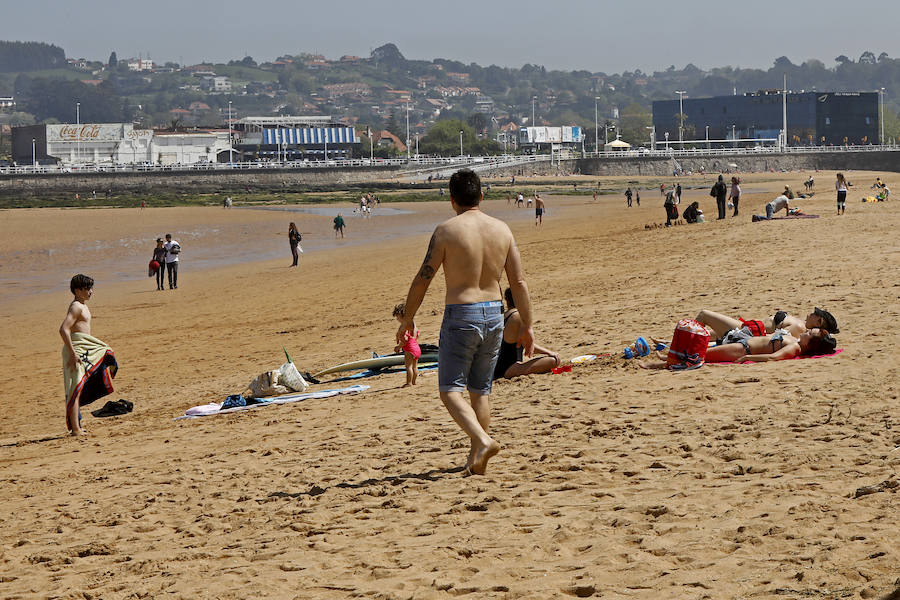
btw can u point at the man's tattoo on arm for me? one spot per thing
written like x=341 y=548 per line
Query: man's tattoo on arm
x=427 y=271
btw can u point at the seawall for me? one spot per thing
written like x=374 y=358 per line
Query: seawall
x=232 y=181
x=201 y=182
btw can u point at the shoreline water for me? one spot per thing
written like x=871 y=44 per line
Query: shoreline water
x=217 y=238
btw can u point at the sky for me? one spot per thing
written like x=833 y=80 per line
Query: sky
x=597 y=36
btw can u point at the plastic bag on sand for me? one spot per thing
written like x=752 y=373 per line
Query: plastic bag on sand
x=275 y=383
x=289 y=376
x=265 y=384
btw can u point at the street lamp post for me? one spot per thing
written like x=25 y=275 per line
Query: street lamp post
x=78 y=133
x=230 y=141
x=707 y=137
x=667 y=141
x=407 y=132
x=881 y=115
x=33 y=161
x=325 y=139
x=596 y=128
x=417 y=146
x=733 y=136
x=460 y=143
x=533 y=98
x=681 y=117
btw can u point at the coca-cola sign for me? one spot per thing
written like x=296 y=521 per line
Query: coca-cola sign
x=85 y=132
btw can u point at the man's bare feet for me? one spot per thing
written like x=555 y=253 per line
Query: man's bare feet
x=78 y=432
x=405 y=385
x=481 y=457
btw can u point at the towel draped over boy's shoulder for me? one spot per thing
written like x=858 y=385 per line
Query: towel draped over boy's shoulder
x=92 y=374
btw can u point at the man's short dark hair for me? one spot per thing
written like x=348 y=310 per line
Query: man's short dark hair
x=465 y=188
x=81 y=282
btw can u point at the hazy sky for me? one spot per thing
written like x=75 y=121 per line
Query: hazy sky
x=599 y=35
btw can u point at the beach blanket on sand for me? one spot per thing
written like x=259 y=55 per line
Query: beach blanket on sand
x=215 y=408
x=835 y=353
x=94 y=369
x=803 y=216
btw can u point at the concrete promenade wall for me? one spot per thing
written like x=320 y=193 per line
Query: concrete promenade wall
x=660 y=166
x=329 y=178
x=189 y=181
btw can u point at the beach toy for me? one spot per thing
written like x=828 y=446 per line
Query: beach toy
x=642 y=347
x=584 y=358
x=562 y=369
x=660 y=346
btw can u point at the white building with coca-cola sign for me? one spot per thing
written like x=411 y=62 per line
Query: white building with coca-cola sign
x=114 y=143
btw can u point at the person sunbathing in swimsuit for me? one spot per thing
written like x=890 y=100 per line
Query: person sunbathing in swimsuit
x=719 y=325
x=780 y=345
x=741 y=346
x=509 y=359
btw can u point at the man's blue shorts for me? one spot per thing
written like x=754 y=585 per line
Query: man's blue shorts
x=468 y=347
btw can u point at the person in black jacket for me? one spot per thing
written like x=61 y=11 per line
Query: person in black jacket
x=719 y=191
x=691 y=213
x=294 y=239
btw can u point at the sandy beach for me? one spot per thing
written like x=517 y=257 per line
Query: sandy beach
x=735 y=481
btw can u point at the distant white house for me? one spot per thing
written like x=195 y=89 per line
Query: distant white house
x=140 y=64
x=218 y=83
x=7 y=102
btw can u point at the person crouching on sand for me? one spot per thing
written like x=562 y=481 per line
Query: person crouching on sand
x=410 y=347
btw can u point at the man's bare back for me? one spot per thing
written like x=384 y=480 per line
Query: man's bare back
x=474 y=249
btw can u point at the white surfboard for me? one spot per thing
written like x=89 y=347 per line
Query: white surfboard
x=380 y=362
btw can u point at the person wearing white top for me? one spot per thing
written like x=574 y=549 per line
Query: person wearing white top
x=173 y=249
x=841 y=186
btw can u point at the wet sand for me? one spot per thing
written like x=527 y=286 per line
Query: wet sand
x=725 y=482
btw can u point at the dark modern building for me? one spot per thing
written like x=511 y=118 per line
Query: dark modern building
x=813 y=118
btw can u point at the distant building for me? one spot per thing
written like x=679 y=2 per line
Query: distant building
x=7 y=102
x=336 y=90
x=140 y=64
x=386 y=139
x=537 y=139
x=218 y=83
x=294 y=137
x=484 y=105
x=813 y=118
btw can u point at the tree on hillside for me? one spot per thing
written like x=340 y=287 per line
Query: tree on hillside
x=443 y=139
x=113 y=61
x=54 y=98
x=30 y=56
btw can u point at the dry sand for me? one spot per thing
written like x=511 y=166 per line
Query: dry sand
x=725 y=482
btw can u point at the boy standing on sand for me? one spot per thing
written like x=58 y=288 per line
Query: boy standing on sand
x=474 y=250
x=538 y=210
x=88 y=364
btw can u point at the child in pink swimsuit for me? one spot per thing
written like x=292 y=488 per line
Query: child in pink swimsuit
x=410 y=346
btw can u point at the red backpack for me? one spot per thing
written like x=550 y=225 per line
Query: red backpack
x=688 y=347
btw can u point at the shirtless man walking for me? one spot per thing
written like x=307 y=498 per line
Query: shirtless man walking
x=538 y=210
x=474 y=250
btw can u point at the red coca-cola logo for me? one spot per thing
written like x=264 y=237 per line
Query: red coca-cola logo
x=82 y=132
